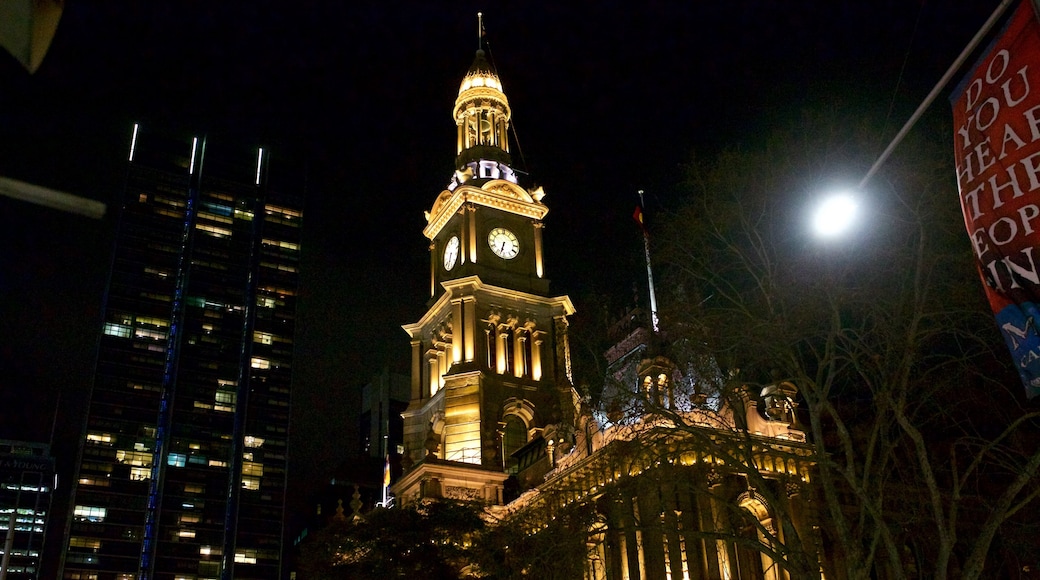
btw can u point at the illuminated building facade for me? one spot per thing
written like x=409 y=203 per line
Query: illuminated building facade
x=490 y=358
x=676 y=483
x=182 y=472
x=26 y=487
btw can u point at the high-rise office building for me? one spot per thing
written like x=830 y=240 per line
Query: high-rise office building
x=26 y=487
x=183 y=466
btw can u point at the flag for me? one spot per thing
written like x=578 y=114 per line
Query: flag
x=996 y=112
x=386 y=471
x=638 y=216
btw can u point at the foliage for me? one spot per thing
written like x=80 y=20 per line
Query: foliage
x=449 y=540
x=537 y=543
x=904 y=386
x=429 y=540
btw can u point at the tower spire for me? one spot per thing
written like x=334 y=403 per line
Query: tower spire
x=482 y=115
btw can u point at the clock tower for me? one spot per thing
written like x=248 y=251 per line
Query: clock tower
x=490 y=358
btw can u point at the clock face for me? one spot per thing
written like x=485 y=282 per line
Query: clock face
x=503 y=243
x=451 y=253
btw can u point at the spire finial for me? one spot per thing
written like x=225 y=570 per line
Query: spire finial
x=480 y=30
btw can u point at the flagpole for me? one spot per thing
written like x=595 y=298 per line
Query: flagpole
x=938 y=87
x=649 y=274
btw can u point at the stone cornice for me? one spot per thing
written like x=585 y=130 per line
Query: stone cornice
x=497 y=193
x=461 y=287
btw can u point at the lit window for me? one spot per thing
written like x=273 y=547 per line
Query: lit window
x=120 y=330
x=153 y=334
x=157 y=272
x=260 y=363
x=245 y=556
x=137 y=458
x=152 y=321
x=189 y=518
x=140 y=474
x=169 y=201
x=282 y=292
x=244 y=215
x=99 y=438
x=89 y=543
x=217 y=463
x=194 y=488
x=86 y=513
x=225 y=400
x=253 y=441
x=283 y=212
x=252 y=468
x=168 y=212
x=278 y=266
x=281 y=244
x=262 y=302
x=218 y=208
x=263 y=337
x=176 y=459
x=214 y=230
x=250 y=483
x=186 y=533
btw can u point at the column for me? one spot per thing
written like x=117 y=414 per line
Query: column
x=519 y=341
x=433 y=269
x=417 y=370
x=435 y=375
x=442 y=363
x=536 y=354
x=538 y=248
x=457 y=331
x=469 y=314
x=463 y=234
x=472 y=234
x=500 y=350
x=462 y=130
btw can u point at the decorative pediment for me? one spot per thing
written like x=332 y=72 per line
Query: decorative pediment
x=507 y=189
x=496 y=193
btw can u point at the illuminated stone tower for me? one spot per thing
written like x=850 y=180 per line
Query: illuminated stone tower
x=490 y=358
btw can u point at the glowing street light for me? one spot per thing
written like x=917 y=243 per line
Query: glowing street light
x=835 y=215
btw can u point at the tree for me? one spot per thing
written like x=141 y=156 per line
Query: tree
x=428 y=540
x=916 y=423
x=451 y=540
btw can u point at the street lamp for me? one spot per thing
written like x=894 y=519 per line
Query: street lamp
x=835 y=215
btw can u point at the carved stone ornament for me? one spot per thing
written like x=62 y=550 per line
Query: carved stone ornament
x=460 y=492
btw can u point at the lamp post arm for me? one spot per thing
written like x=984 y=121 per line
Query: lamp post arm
x=935 y=91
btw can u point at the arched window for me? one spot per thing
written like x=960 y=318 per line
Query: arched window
x=752 y=563
x=514 y=436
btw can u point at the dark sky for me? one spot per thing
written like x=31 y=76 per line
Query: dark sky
x=607 y=98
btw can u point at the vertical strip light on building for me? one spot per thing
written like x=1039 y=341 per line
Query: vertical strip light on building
x=133 y=141
x=194 y=149
x=259 y=163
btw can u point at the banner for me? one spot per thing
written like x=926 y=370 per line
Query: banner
x=996 y=112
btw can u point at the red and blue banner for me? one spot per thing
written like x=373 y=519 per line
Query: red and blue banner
x=996 y=112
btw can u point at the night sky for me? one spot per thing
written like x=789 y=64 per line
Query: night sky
x=608 y=98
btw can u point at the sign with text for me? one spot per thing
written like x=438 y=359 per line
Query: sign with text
x=996 y=111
